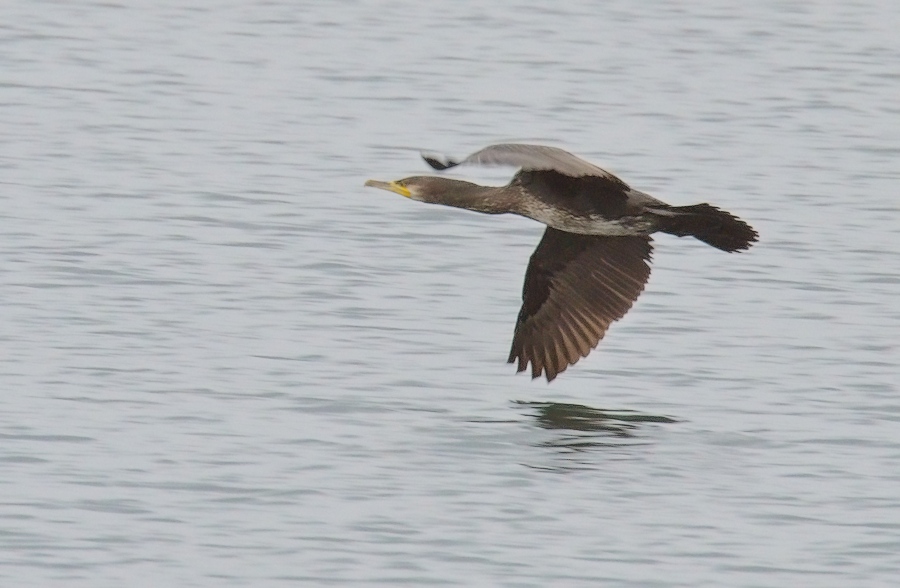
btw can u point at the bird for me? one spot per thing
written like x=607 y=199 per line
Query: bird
x=593 y=260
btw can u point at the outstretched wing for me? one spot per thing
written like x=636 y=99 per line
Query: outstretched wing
x=575 y=287
x=529 y=158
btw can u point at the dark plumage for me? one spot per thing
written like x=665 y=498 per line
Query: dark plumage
x=593 y=260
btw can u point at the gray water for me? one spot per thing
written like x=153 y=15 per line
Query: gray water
x=226 y=363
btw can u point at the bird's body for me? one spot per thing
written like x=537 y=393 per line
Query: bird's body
x=572 y=204
x=592 y=263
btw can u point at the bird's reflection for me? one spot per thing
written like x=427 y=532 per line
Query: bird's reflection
x=590 y=427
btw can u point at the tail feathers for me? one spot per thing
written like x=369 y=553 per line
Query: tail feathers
x=709 y=224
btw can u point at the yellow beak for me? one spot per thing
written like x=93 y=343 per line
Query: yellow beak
x=389 y=186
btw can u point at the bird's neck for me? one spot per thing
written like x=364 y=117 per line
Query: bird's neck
x=486 y=199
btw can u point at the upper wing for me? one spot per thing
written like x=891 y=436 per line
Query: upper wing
x=529 y=158
x=575 y=287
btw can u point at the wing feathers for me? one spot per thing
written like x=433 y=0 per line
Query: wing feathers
x=576 y=286
x=527 y=157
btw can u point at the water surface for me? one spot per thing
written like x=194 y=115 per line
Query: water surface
x=226 y=363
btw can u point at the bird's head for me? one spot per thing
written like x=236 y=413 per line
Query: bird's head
x=421 y=188
x=448 y=192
